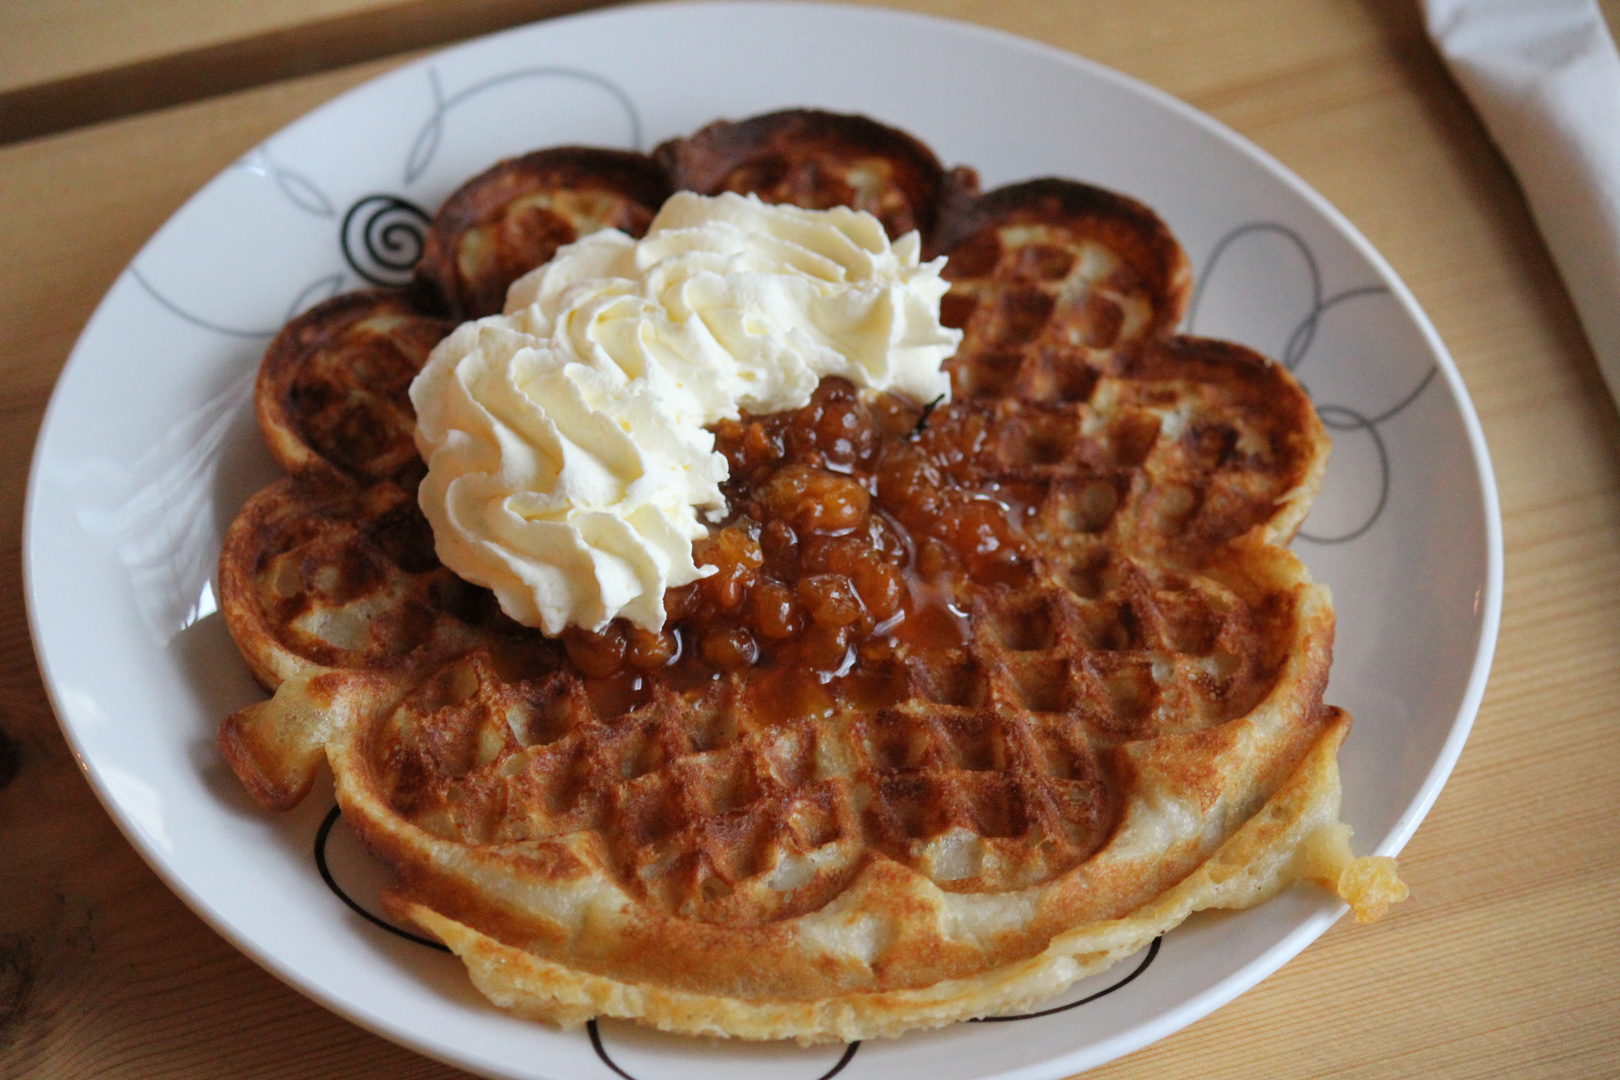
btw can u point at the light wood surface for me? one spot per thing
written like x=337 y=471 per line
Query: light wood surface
x=1505 y=963
x=68 y=63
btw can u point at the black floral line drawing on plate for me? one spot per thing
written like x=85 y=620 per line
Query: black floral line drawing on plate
x=1152 y=954
x=1297 y=349
x=382 y=238
x=1344 y=418
x=321 y=288
x=300 y=190
x=305 y=297
x=302 y=193
x=194 y=319
x=321 y=836
x=601 y=1052
x=426 y=144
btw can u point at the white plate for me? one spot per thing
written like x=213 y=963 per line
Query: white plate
x=149 y=449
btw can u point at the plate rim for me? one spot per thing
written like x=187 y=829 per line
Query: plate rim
x=1488 y=602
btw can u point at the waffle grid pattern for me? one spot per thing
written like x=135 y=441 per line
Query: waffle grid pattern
x=986 y=740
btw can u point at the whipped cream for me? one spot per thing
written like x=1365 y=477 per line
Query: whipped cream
x=566 y=442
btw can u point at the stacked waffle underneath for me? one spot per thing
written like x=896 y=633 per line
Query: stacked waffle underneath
x=982 y=696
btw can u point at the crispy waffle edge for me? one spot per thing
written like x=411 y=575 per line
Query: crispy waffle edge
x=1258 y=861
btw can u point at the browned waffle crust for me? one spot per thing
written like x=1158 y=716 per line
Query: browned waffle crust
x=982 y=697
x=514 y=217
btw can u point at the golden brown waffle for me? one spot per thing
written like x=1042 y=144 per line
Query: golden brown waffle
x=504 y=222
x=982 y=697
x=333 y=391
x=819 y=160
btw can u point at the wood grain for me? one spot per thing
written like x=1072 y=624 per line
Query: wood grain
x=41 y=43
x=152 y=59
x=1504 y=963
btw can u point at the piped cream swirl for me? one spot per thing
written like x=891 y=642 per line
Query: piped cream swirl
x=566 y=440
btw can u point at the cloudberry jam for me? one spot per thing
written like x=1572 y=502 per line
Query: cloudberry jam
x=852 y=525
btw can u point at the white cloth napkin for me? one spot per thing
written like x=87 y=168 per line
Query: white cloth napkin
x=1545 y=78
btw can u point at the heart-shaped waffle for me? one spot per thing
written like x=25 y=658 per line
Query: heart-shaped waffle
x=982 y=696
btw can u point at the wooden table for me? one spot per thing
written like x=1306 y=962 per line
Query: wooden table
x=1506 y=963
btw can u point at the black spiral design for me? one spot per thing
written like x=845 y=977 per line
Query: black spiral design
x=382 y=238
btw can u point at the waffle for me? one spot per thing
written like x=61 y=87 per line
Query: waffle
x=508 y=220
x=333 y=392
x=982 y=696
x=819 y=160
